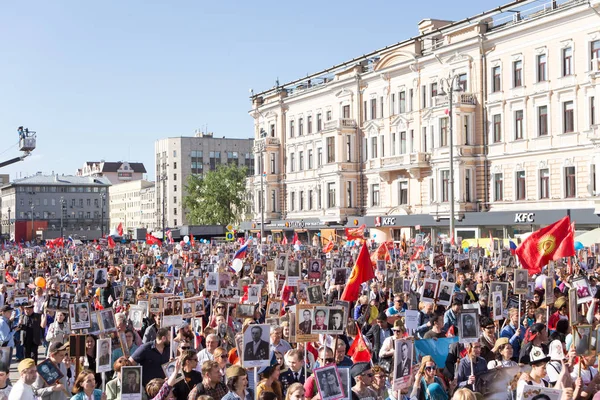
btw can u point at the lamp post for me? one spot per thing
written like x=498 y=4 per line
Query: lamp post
x=163 y=178
x=62 y=213
x=9 y=224
x=102 y=197
x=451 y=81
x=262 y=198
x=32 y=230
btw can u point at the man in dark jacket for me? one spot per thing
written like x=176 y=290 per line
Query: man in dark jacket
x=30 y=324
x=378 y=333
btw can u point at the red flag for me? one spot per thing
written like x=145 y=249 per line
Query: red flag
x=356 y=233
x=382 y=252
x=358 y=351
x=192 y=241
x=329 y=246
x=295 y=239
x=362 y=272
x=550 y=243
x=284 y=240
x=9 y=277
x=111 y=242
x=120 y=229
x=150 y=239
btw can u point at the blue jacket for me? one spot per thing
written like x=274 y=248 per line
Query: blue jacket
x=509 y=332
x=82 y=396
x=6 y=334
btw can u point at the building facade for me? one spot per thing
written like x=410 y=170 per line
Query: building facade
x=41 y=204
x=368 y=141
x=177 y=158
x=116 y=172
x=127 y=205
x=148 y=206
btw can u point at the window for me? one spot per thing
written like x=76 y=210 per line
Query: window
x=174 y=153
x=292 y=201
x=309 y=124
x=403 y=142
x=301 y=199
x=466 y=128
x=272 y=130
x=518 y=124
x=300 y=126
x=403 y=192
x=349 y=194
x=328 y=115
x=291 y=128
x=393 y=144
x=373 y=108
x=518 y=73
x=331 y=195
x=393 y=104
x=382 y=143
x=319 y=156
x=434 y=91
x=175 y=222
x=520 y=185
x=592 y=185
x=567 y=61
x=497 y=120
x=381 y=107
x=542 y=120
x=444 y=132
x=175 y=164
x=310 y=159
x=310 y=199
x=292 y=162
x=462 y=82
x=330 y=149
x=319 y=122
x=467 y=185
x=594 y=52
x=365 y=109
x=498 y=188
x=544 y=183
x=272 y=161
x=542 y=74
x=174 y=188
x=300 y=160
x=423 y=96
x=375 y=194
x=411 y=98
x=592 y=110
x=402 y=102
x=273 y=201
x=319 y=198
x=570 y=184
x=496 y=82
x=445 y=175
x=348 y=148
x=568 y=117
x=175 y=176
x=346 y=111
x=374 y=147
x=174 y=211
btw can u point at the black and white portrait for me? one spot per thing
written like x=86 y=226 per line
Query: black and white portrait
x=496 y=286
x=129 y=295
x=445 y=294
x=429 y=290
x=336 y=320
x=582 y=339
x=380 y=265
x=315 y=294
x=128 y=272
x=584 y=293
x=100 y=277
x=403 y=358
x=64 y=304
x=103 y=355
x=397 y=285
x=245 y=311
x=79 y=316
x=339 y=276
x=107 y=319
x=94 y=325
x=521 y=278
x=49 y=372
x=169 y=369
x=293 y=269
x=131 y=382
x=280 y=264
x=189 y=286
x=328 y=383
x=304 y=321
x=256 y=346
x=253 y=293
x=274 y=308
x=155 y=305
x=321 y=318
x=469 y=326
x=224 y=280
x=497 y=306
x=53 y=303
x=314 y=269
x=212 y=282
x=136 y=315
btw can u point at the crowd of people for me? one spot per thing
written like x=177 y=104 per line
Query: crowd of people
x=180 y=321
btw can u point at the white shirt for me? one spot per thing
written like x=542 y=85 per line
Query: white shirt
x=203 y=355
x=21 y=391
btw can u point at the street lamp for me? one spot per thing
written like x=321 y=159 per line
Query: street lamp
x=451 y=82
x=32 y=230
x=9 y=224
x=262 y=197
x=102 y=197
x=163 y=178
x=62 y=212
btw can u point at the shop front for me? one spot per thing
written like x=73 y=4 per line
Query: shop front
x=474 y=225
x=309 y=231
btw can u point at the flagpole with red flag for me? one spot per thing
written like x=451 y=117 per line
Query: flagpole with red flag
x=358 y=351
x=362 y=272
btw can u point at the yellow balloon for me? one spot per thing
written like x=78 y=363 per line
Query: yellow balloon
x=40 y=282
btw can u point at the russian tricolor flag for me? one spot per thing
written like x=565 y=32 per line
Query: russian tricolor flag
x=513 y=247
x=241 y=253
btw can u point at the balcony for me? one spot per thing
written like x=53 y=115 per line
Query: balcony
x=467 y=99
x=595 y=68
x=263 y=143
x=594 y=134
x=342 y=123
x=413 y=163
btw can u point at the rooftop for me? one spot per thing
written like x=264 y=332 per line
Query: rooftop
x=60 y=180
x=114 y=166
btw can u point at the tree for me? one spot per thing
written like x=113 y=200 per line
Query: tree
x=217 y=197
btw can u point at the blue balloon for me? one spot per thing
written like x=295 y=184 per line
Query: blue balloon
x=578 y=246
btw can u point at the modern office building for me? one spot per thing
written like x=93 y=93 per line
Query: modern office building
x=178 y=157
x=127 y=203
x=116 y=172
x=368 y=141
x=41 y=206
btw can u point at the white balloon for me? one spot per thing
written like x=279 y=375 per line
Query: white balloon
x=539 y=281
x=237 y=265
x=186 y=238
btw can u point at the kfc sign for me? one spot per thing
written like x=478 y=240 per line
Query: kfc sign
x=523 y=218
x=385 y=221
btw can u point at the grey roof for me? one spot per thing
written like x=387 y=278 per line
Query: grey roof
x=110 y=166
x=60 y=180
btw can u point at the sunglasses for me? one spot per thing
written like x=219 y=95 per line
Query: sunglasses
x=429 y=368
x=369 y=375
x=329 y=360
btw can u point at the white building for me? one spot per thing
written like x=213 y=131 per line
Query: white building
x=116 y=172
x=128 y=205
x=367 y=141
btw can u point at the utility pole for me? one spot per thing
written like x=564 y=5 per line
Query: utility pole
x=102 y=197
x=62 y=213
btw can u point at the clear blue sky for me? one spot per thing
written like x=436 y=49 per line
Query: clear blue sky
x=105 y=79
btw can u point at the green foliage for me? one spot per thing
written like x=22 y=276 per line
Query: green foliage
x=217 y=197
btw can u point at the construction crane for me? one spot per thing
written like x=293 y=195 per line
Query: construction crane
x=27 y=141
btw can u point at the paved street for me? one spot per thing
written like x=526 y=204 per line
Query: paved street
x=14 y=375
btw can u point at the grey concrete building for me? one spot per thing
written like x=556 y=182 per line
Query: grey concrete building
x=178 y=157
x=34 y=205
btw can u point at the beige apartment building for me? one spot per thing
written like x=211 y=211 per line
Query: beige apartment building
x=128 y=205
x=367 y=141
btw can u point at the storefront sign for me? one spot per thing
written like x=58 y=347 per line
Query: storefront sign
x=385 y=221
x=524 y=218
